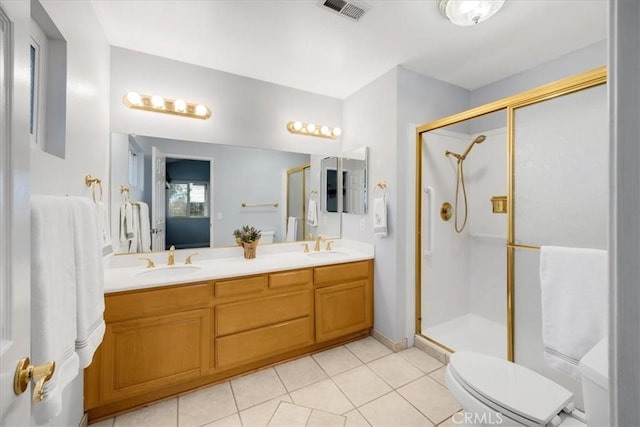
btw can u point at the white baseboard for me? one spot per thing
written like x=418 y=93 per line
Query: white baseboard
x=395 y=346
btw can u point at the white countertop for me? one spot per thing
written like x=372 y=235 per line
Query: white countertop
x=127 y=272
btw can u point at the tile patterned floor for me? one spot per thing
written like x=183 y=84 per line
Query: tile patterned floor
x=362 y=383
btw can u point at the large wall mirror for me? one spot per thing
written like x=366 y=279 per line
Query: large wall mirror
x=198 y=193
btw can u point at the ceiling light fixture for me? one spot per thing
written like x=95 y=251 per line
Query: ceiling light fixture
x=159 y=104
x=469 y=12
x=311 y=129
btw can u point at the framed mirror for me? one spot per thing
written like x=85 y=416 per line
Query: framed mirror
x=354 y=181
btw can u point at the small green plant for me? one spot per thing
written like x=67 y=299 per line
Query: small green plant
x=247 y=234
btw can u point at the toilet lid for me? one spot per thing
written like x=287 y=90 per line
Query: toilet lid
x=509 y=388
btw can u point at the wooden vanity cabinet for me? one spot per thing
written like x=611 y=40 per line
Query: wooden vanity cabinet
x=162 y=341
x=343 y=299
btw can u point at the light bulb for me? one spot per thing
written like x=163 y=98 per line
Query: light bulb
x=311 y=128
x=337 y=131
x=157 y=101
x=201 y=110
x=469 y=12
x=325 y=131
x=180 y=105
x=134 y=98
x=297 y=126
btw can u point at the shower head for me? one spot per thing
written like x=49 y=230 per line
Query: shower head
x=479 y=139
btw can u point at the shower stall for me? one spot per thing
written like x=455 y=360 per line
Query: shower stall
x=464 y=260
x=525 y=171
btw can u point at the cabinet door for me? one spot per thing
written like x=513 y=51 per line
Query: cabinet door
x=146 y=354
x=343 y=309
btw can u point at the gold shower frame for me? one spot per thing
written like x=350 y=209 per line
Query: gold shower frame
x=592 y=78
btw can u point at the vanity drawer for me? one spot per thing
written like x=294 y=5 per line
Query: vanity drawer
x=290 y=278
x=145 y=303
x=244 y=286
x=341 y=273
x=244 y=315
x=249 y=346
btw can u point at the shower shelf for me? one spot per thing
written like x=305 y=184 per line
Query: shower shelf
x=483 y=236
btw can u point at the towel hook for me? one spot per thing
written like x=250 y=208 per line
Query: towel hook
x=90 y=181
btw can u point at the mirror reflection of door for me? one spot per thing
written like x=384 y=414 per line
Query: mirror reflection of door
x=355 y=190
x=188 y=203
x=298 y=193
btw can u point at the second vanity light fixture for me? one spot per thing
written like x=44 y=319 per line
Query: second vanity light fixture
x=311 y=129
x=159 y=104
x=469 y=12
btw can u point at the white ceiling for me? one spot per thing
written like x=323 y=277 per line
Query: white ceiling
x=296 y=43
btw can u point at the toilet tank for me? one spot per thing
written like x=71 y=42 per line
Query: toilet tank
x=594 y=368
x=267 y=236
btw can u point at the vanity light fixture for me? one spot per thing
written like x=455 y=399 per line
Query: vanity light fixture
x=311 y=129
x=159 y=104
x=469 y=12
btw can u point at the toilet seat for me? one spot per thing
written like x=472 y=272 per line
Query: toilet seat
x=513 y=390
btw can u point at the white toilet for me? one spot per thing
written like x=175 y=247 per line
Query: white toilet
x=493 y=391
x=267 y=236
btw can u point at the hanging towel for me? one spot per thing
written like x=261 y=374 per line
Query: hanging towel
x=89 y=279
x=53 y=298
x=380 y=216
x=105 y=229
x=135 y=228
x=312 y=212
x=292 y=229
x=144 y=236
x=127 y=231
x=574 y=290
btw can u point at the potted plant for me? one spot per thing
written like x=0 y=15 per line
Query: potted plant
x=248 y=237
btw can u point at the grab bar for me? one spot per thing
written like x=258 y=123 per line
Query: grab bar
x=258 y=205
x=432 y=221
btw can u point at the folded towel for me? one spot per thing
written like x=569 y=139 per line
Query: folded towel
x=144 y=235
x=105 y=228
x=53 y=298
x=574 y=290
x=380 y=216
x=312 y=213
x=292 y=229
x=89 y=279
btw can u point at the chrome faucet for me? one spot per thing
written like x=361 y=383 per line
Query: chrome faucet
x=171 y=260
x=317 y=246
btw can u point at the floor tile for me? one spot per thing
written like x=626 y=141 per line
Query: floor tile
x=361 y=385
x=206 y=405
x=163 y=414
x=290 y=415
x=325 y=419
x=299 y=373
x=431 y=398
x=456 y=420
x=230 y=421
x=355 y=419
x=260 y=415
x=324 y=396
x=395 y=370
x=392 y=410
x=337 y=360
x=438 y=375
x=257 y=388
x=368 y=349
x=420 y=359
x=104 y=423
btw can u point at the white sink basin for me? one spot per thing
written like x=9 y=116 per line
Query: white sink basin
x=327 y=254
x=168 y=272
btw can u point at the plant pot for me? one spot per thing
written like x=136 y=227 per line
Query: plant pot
x=249 y=249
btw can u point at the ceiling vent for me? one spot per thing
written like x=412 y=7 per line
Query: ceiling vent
x=352 y=10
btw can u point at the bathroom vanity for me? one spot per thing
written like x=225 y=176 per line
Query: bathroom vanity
x=164 y=340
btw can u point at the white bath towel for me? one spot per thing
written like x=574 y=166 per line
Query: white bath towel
x=127 y=231
x=144 y=234
x=53 y=298
x=380 y=216
x=574 y=290
x=312 y=212
x=292 y=229
x=135 y=228
x=89 y=279
x=105 y=228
